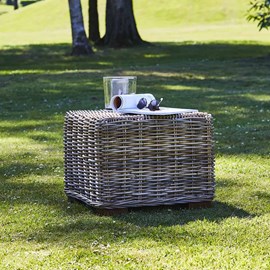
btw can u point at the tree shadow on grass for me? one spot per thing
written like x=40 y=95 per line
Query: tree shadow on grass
x=55 y=56
x=30 y=193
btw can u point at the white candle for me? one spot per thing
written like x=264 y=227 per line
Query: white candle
x=122 y=102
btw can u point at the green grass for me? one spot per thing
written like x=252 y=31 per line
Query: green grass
x=41 y=230
x=225 y=73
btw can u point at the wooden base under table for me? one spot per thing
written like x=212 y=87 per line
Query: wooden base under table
x=120 y=211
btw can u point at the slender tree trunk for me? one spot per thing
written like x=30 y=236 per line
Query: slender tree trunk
x=94 y=34
x=16 y=4
x=121 y=28
x=80 y=43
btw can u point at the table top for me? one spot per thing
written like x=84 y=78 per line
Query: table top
x=161 y=111
x=109 y=115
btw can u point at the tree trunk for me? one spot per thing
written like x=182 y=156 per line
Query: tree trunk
x=94 y=34
x=121 y=29
x=80 y=43
x=16 y=5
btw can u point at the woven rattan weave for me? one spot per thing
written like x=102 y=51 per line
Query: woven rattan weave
x=118 y=161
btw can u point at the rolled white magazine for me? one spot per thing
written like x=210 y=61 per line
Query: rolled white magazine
x=122 y=102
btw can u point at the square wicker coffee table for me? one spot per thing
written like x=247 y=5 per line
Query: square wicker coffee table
x=117 y=161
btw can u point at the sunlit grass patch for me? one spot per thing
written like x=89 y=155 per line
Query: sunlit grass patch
x=5 y=8
x=46 y=22
x=181 y=87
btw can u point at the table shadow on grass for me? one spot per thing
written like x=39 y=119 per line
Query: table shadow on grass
x=170 y=216
x=152 y=225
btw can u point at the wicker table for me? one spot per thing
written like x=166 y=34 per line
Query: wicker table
x=117 y=161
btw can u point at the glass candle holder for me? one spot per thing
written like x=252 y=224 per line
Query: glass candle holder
x=119 y=85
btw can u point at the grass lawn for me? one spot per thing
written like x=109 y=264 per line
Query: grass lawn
x=40 y=229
